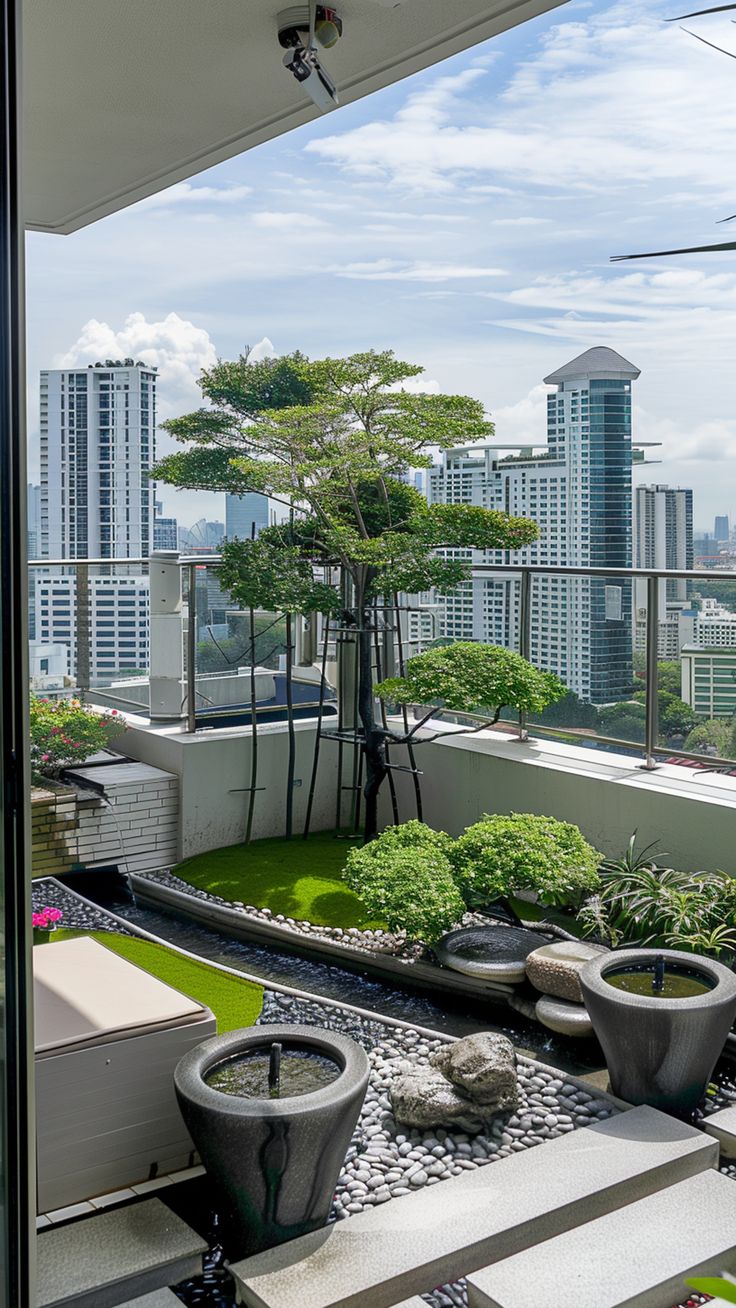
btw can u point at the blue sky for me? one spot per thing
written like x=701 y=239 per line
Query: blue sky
x=465 y=218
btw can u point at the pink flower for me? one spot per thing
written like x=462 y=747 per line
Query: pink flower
x=45 y=758
x=114 y=713
x=39 y=920
x=53 y=914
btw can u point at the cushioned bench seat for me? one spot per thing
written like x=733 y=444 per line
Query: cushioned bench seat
x=108 y=1036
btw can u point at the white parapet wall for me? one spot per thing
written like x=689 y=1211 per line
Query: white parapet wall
x=690 y=813
x=214 y=772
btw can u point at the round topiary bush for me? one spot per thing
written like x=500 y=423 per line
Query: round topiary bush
x=503 y=854
x=410 y=888
x=410 y=835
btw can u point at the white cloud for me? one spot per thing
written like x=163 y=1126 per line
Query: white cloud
x=393 y=270
x=264 y=349
x=274 y=220
x=599 y=106
x=526 y=420
x=186 y=193
x=176 y=347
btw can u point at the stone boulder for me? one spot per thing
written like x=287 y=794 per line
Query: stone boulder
x=555 y=969
x=425 y=1098
x=483 y=1068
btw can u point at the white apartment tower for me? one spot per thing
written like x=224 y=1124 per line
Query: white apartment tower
x=578 y=491
x=97 y=501
x=663 y=538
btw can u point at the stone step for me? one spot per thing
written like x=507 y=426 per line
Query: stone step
x=405 y=1247
x=107 y=1259
x=157 y=1299
x=722 y=1126
x=637 y=1257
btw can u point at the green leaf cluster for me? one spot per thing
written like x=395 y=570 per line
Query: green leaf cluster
x=501 y=855
x=64 y=732
x=640 y=901
x=409 y=885
x=468 y=677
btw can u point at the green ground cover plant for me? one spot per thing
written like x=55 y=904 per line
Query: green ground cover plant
x=235 y=1002
x=299 y=878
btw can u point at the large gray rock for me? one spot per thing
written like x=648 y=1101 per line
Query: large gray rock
x=425 y=1098
x=482 y=1067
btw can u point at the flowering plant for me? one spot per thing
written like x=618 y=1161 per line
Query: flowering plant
x=65 y=731
x=44 y=922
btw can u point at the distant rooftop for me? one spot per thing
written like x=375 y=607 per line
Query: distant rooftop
x=600 y=362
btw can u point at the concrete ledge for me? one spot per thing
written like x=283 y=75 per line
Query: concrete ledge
x=637 y=1257
x=722 y=1126
x=104 y=1260
x=244 y=926
x=482 y=1216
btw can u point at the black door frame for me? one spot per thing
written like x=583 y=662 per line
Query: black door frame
x=18 y=1124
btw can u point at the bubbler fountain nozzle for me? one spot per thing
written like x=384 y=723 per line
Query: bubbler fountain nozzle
x=274 y=1071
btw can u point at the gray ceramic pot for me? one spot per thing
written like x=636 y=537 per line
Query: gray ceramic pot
x=275 y=1162
x=659 y=1051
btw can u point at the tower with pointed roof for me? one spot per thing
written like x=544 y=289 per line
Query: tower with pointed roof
x=579 y=492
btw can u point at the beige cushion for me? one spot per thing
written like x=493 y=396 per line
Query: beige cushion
x=85 y=994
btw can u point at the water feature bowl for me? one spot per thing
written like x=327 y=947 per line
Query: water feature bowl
x=275 y=1159
x=494 y=953
x=661 y=1041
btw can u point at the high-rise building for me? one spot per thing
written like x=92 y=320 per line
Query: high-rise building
x=33 y=536
x=165 y=530
x=247 y=515
x=579 y=493
x=97 y=450
x=663 y=538
x=721 y=529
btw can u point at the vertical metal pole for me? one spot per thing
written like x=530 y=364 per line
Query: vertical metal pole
x=17 y=1116
x=652 y=699
x=525 y=635
x=84 y=602
x=192 y=649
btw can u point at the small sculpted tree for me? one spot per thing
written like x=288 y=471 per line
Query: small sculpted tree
x=333 y=439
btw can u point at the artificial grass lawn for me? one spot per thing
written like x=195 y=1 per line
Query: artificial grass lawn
x=299 y=878
x=234 y=1002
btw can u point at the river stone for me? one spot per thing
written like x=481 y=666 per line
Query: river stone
x=555 y=969
x=561 y=1016
x=495 y=953
x=424 y=1098
x=483 y=1067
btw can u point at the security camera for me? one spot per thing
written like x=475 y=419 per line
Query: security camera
x=302 y=30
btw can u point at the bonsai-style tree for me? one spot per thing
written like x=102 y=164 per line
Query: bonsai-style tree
x=333 y=439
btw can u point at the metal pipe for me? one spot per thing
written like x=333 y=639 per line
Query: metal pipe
x=192 y=648
x=525 y=637
x=652 y=698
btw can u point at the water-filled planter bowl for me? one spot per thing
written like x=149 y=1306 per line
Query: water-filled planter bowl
x=660 y=1046
x=496 y=953
x=274 y=1161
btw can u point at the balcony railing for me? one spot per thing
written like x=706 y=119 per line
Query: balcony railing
x=194 y=697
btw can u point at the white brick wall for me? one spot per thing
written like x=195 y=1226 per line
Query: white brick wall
x=135 y=825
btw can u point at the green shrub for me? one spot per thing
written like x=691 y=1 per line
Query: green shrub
x=410 y=887
x=64 y=732
x=501 y=855
x=410 y=835
x=641 y=902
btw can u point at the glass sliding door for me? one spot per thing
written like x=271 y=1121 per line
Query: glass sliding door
x=17 y=1126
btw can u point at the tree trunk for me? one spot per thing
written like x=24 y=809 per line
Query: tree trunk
x=374 y=736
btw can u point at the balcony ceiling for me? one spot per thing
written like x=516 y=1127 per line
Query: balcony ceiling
x=123 y=98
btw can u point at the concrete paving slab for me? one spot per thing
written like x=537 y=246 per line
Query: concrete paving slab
x=158 y=1299
x=402 y=1248
x=637 y=1257
x=722 y=1126
x=108 y=1258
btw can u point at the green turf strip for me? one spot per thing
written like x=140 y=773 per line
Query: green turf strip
x=299 y=878
x=234 y=1002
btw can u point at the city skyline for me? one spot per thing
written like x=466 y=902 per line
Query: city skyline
x=460 y=218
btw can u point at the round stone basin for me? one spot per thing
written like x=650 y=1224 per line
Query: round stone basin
x=495 y=953
x=301 y=1072
x=677 y=982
